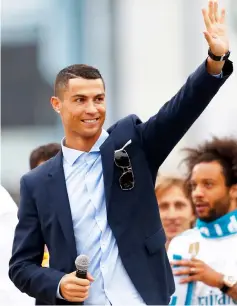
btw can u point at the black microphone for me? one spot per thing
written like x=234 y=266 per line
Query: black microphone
x=82 y=264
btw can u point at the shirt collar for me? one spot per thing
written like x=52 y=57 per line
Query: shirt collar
x=71 y=155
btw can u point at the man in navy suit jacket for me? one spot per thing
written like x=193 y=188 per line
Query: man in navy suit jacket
x=129 y=154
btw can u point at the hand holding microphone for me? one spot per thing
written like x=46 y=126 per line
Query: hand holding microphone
x=74 y=287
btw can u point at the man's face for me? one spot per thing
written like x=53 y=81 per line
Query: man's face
x=209 y=192
x=82 y=108
x=175 y=211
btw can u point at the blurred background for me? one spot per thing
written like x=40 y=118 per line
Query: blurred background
x=145 y=50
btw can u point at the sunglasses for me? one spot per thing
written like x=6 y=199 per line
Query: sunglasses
x=122 y=161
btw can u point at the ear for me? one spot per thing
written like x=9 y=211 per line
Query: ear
x=56 y=104
x=233 y=192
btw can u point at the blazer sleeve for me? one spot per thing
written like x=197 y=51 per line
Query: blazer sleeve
x=163 y=131
x=25 y=269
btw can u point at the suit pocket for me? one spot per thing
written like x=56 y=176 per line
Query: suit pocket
x=155 y=241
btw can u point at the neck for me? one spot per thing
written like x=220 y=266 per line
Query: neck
x=77 y=142
x=231 y=209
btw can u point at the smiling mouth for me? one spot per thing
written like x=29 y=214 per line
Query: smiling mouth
x=90 y=120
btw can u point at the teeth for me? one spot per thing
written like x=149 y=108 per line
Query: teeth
x=90 y=121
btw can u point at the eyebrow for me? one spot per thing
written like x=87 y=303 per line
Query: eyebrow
x=203 y=180
x=79 y=96
x=84 y=96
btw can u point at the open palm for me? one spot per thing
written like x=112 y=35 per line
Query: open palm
x=216 y=29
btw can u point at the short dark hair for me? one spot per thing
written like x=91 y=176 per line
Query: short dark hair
x=75 y=71
x=222 y=150
x=43 y=153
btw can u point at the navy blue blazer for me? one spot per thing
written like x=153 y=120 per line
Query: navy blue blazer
x=44 y=211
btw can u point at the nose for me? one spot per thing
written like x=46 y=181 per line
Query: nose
x=90 y=108
x=171 y=212
x=197 y=192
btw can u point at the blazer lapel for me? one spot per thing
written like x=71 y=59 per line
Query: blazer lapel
x=107 y=157
x=59 y=197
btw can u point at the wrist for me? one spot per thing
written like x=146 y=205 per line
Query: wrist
x=219 y=280
x=219 y=58
x=214 y=67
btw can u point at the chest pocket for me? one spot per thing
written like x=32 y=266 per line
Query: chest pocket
x=155 y=241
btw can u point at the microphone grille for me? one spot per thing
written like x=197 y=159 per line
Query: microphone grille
x=82 y=263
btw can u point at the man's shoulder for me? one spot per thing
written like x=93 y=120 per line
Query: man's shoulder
x=124 y=130
x=128 y=121
x=189 y=234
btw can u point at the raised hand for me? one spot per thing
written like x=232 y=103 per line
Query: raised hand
x=216 y=29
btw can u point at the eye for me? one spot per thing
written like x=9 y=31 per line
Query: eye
x=163 y=206
x=99 y=100
x=80 y=100
x=208 y=184
x=179 y=205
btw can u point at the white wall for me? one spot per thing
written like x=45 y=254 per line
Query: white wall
x=153 y=37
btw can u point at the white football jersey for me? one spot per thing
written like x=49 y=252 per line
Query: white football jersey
x=219 y=253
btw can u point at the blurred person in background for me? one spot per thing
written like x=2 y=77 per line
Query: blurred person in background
x=204 y=259
x=97 y=196
x=175 y=206
x=37 y=157
x=9 y=294
x=43 y=153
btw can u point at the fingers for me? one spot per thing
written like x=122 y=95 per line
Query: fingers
x=212 y=15
x=207 y=20
x=75 y=293
x=192 y=278
x=219 y=18
x=79 y=281
x=193 y=274
x=187 y=263
x=211 y=11
x=193 y=268
x=195 y=260
x=208 y=37
x=74 y=289
x=73 y=298
x=216 y=13
x=90 y=277
x=182 y=272
x=186 y=271
x=76 y=299
x=222 y=18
